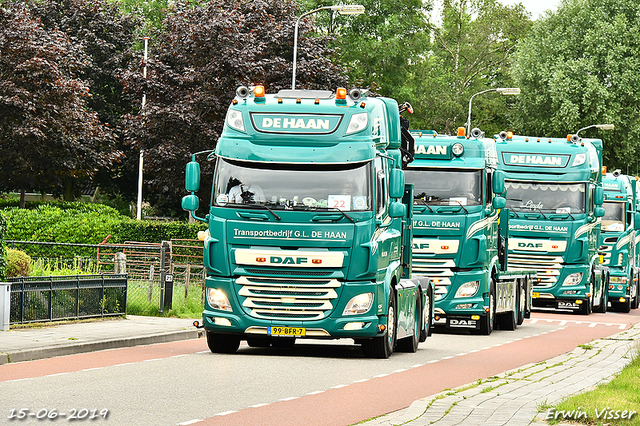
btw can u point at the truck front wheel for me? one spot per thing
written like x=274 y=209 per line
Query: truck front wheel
x=382 y=346
x=223 y=343
x=488 y=321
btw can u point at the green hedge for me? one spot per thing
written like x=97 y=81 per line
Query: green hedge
x=67 y=222
x=3 y=253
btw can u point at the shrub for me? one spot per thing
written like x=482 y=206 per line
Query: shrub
x=18 y=263
x=3 y=253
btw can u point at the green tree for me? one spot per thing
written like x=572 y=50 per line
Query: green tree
x=579 y=66
x=471 y=51
x=379 y=46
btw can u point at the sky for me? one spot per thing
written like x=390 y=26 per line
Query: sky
x=536 y=7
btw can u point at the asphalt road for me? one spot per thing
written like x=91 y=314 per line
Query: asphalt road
x=314 y=383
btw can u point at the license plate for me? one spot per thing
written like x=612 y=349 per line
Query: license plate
x=287 y=331
x=569 y=305
x=535 y=295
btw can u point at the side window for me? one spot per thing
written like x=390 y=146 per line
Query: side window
x=488 y=188
x=381 y=188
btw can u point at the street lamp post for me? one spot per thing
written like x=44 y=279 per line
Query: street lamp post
x=502 y=90
x=141 y=160
x=345 y=9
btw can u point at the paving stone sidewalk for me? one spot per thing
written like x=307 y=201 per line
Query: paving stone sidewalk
x=517 y=397
x=27 y=344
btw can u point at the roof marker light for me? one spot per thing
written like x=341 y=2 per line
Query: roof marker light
x=509 y=135
x=461 y=132
x=341 y=93
x=316 y=261
x=258 y=91
x=362 y=105
x=235 y=102
x=298 y=100
x=279 y=100
x=316 y=101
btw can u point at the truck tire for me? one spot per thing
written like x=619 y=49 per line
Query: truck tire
x=587 y=306
x=604 y=301
x=427 y=316
x=487 y=322
x=223 y=343
x=509 y=320
x=410 y=344
x=521 y=297
x=382 y=346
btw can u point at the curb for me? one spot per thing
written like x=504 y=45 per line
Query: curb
x=78 y=348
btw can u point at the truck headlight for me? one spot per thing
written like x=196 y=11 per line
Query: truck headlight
x=218 y=300
x=579 y=159
x=358 y=122
x=234 y=120
x=359 y=304
x=573 y=279
x=468 y=289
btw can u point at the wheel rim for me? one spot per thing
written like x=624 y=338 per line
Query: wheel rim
x=391 y=325
x=426 y=315
x=491 y=305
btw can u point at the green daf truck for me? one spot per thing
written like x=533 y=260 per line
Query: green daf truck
x=554 y=195
x=309 y=228
x=617 y=245
x=460 y=233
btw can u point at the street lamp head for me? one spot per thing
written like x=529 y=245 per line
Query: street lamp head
x=605 y=126
x=349 y=9
x=508 y=90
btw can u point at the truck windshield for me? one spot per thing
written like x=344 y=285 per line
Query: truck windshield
x=445 y=187
x=546 y=197
x=294 y=187
x=613 y=219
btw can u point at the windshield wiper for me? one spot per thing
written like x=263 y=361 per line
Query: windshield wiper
x=463 y=207
x=258 y=206
x=343 y=213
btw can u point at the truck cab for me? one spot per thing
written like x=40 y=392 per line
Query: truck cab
x=617 y=246
x=307 y=225
x=458 y=242
x=555 y=196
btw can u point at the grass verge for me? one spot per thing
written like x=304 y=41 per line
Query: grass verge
x=616 y=403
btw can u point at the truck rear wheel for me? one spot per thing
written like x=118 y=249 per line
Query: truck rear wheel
x=410 y=344
x=427 y=316
x=509 y=320
x=521 y=297
x=382 y=346
x=223 y=343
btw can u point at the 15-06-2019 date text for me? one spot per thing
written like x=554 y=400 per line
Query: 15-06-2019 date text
x=53 y=414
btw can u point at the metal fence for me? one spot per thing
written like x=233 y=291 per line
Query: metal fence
x=160 y=275
x=37 y=299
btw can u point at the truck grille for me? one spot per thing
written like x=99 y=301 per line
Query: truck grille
x=439 y=270
x=547 y=267
x=287 y=299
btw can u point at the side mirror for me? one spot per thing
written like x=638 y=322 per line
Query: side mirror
x=598 y=211
x=636 y=221
x=396 y=184
x=499 y=202
x=498 y=182
x=397 y=209
x=192 y=177
x=598 y=196
x=190 y=203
